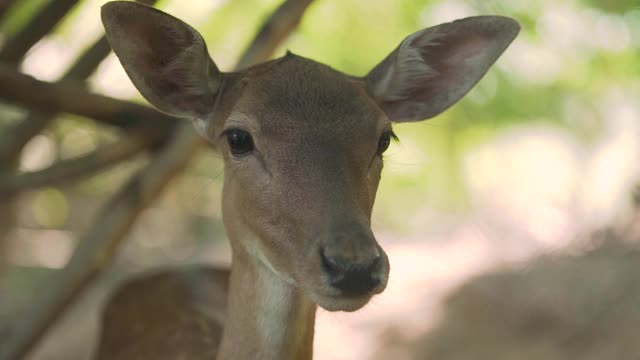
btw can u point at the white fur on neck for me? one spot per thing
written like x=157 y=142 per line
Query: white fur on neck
x=284 y=316
x=267 y=318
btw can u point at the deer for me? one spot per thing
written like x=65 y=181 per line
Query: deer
x=302 y=145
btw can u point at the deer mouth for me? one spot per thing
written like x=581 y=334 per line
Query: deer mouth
x=332 y=299
x=346 y=303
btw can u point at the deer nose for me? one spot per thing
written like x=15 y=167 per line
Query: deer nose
x=352 y=277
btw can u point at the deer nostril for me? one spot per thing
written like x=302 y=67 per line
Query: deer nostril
x=340 y=264
x=352 y=278
x=333 y=265
x=374 y=264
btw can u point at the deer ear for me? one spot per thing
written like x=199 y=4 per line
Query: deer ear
x=166 y=59
x=434 y=68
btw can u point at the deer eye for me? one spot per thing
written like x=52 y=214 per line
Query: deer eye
x=385 y=140
x=240 y=141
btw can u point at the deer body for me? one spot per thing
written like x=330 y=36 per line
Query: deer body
x=302 y=145
x=166 y=315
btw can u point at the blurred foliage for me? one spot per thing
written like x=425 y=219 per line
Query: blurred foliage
x=569 y=56
x=615 y=6
x=19 y=16
x=50 y=208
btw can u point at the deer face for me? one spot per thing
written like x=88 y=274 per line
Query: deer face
x=303 y=149
x=302 y=143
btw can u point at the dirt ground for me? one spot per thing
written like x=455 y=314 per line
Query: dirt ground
x=582 y=305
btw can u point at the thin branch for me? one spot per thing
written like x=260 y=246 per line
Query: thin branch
x=87 y=63
x=96 y=247
x=41 y=24
x=12 y=140
x=76 y=168
x=95 y=251
x=282 y=22
x=66 y=96
x=289 y=14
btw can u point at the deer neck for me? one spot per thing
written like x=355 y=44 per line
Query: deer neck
x=267 y=318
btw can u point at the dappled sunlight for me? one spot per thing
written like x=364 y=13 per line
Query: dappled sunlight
x=111 y=79
x=533 y=63
x=614 y=166
x=48 y=59
x=195 y=14
x=445 y=11
x=50 y=248
x=38 y=154
x=524 y=182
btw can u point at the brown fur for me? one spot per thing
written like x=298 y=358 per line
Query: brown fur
x=166 y=315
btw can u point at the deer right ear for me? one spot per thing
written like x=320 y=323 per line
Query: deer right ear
x=166 y=59
x=434 y=68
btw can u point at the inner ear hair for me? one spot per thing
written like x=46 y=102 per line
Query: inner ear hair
x=434 y=68
x=166 y=59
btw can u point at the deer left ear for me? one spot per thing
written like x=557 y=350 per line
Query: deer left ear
x=434 y=68
x=166 y=59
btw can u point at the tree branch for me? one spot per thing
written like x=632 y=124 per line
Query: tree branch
x=96 y=247
x=13 y=139
x=66 y=96
x=48 y=17
x=87 y=63
x=95 y=250
x=274 y=31
x=76 y=168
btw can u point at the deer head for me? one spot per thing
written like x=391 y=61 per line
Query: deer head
x=303 y=143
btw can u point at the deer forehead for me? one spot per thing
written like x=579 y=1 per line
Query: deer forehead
x=297 y=98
